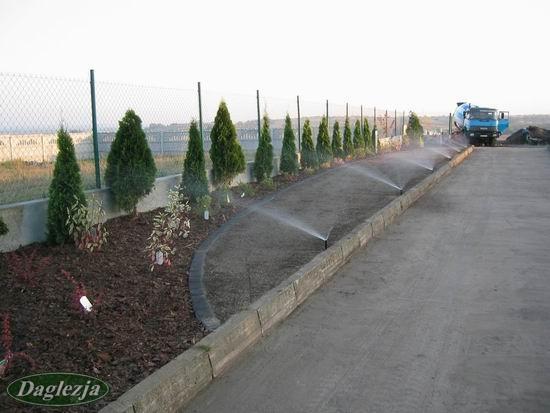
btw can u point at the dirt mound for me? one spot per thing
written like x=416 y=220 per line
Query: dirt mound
x=532 y=135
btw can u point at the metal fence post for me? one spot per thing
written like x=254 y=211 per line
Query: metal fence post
x=327 y=116
x=11 y=150
x=450 y=125
x=94 y=131
x=200 y=110
x=299 y=126
x=375 y=132
x=258 y=107
x=395 y=122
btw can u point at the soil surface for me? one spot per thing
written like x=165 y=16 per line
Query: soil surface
x=260 y=251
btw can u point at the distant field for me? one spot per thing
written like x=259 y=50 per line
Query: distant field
x=24 y=181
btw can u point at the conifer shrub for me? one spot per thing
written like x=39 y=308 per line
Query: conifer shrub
x=358 y=142
x=131 y=169
x=415 y=129
x=3 y=227
x=367 y=136
x=194 y=183
x=349 y=150
x=225 y=152
x=65 y=188
x=309 y=155
x=263 y=160
x=337 y=149
x=323 y=148
x=289 y=157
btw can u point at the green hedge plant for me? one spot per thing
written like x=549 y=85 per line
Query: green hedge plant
x=131 y=169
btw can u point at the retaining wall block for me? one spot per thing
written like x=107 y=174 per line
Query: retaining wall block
x=364 y=232
x=230 y=339
x=313 y=274
x=391 y=211
x=275 y=305
x=377 y=223
x=349 y=244
x=170 y=387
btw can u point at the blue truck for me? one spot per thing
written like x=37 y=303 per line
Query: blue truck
x=480 y=125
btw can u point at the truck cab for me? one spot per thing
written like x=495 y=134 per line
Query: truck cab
x=481 y=125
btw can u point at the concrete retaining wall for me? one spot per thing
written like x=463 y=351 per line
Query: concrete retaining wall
x=168 y=390
x=26 y=221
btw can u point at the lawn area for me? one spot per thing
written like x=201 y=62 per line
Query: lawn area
x=25 y=181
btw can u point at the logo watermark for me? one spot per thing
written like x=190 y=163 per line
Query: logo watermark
x=57 y=389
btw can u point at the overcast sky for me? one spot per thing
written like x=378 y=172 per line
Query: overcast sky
x=421 y=55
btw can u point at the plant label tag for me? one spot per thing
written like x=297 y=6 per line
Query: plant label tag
x=159 y=258
x=86 y=304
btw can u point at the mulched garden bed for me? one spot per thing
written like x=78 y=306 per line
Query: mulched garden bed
x=140 y=319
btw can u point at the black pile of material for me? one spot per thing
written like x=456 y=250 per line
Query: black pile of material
x=530 y=135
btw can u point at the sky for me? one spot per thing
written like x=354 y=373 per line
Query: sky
x=408 y=55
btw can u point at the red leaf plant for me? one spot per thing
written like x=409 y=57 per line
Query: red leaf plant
x=9 y=355
x=27 y=267
x=78 y=292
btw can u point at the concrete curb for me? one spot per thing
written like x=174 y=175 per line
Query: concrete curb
x=171 y=387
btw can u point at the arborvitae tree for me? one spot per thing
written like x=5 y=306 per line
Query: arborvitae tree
x=324 y=151
x=414 y=128
x=3 y=227
x=348 y=143
x=263 y=161
x=194 y=182
x=358 y=142
x=289 y=157
x=367 y=136
x=225 y=152
x=65 y=189
x=309 y=155
x=337 y=150
x=131 y=168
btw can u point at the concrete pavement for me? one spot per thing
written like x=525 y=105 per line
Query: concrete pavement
x=449 y=310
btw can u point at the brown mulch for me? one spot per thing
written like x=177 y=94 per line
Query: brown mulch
x=140 y=320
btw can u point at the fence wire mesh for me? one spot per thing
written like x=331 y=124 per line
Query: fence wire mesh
x=33 y=108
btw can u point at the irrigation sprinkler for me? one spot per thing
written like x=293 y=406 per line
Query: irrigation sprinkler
x=326 y=237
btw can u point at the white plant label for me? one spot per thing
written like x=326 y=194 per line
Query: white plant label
x=206 y=214
x=159 y=256
x=85 y=303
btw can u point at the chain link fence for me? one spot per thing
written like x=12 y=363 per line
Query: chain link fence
x=33 y=108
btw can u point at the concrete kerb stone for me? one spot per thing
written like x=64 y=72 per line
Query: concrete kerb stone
x=391 y=211
x=377 y=221
x=314 y=274
x=275 y=305
x=349 y=244
x=169 y=388
x=230 y=339
x=364 y=232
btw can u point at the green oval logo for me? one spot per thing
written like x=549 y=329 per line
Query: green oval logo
x=57 y=389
